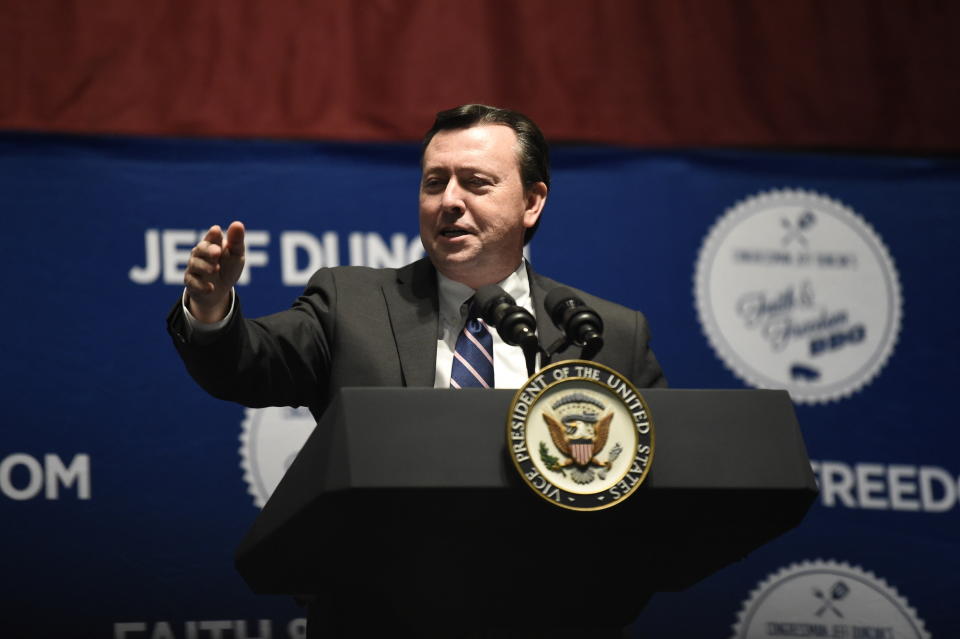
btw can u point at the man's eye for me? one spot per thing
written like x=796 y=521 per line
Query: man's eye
x=432 y=183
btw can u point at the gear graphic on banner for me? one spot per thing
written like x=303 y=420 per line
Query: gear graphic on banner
x=794 y=290
x=826 y=598
x=269 y=442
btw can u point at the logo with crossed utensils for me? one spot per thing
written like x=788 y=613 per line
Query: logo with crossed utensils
x=839 y=591
x=772 y=242
x=796 y=229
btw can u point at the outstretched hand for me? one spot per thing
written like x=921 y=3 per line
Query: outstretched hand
x=215 y=265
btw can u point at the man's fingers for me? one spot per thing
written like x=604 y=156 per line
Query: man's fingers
x=200 y=275
x=234 y=242
x=215 y=262
x=207 y=251
x=214 y=235
x=202 y=266
x=197 y=286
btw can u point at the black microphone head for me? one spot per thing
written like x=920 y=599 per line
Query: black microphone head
x=557 y=301
x=488 y=298
x=578 y=322
x=515 y=324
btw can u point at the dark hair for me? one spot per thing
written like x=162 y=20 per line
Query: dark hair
x=533 y=154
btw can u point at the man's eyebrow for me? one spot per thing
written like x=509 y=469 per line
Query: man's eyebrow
x=439 y=169
x=433 y=172
x=477 y=169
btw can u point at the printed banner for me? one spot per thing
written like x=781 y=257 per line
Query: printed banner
x=124 y=488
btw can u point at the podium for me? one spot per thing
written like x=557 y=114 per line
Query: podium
x=409 y=491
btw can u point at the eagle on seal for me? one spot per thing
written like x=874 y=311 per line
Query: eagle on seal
x=580 y=439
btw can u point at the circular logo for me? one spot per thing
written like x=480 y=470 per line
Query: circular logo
x=269 y=441
x=581 y=435
x=796 y=291
x=826 y=599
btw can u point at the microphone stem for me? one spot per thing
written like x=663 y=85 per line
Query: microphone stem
x=530 y=355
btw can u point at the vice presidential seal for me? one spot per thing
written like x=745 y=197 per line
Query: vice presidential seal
x=796 y=291
x=581 y=435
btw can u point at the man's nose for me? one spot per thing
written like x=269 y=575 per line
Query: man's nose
x=453 y=197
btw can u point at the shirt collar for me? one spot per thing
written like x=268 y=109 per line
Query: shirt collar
x=454 y=294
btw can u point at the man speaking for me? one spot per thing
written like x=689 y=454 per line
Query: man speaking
x=485 y=180
x=483 y=189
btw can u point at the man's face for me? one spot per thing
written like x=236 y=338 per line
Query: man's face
x=473 y=207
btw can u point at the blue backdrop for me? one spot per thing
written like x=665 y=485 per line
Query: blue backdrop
x=124 y=488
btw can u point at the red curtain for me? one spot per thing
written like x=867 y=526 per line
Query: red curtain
x=862 y=74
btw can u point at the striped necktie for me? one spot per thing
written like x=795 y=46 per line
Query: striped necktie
x=473 y=357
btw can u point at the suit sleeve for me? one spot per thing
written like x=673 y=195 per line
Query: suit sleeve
x=282 y=359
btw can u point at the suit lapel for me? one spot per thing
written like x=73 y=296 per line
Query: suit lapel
x=413 y=306
x=539 y=287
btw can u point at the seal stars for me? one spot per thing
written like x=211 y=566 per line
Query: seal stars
x=580 y=435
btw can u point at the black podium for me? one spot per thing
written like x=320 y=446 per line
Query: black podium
x=410 y=492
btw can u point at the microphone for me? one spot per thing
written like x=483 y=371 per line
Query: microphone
x=515 y=324
x=577 y=321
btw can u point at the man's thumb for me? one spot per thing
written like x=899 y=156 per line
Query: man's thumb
x=235 y=235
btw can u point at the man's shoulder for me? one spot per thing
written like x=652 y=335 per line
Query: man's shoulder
x=348 y=276
x=625 y=332
x=355 y=274
x=600 y=304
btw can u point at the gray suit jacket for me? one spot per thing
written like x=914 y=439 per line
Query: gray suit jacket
x=358 y=326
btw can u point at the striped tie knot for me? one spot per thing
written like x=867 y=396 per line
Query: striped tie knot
x=473 y=356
